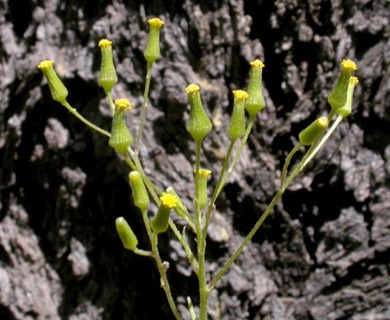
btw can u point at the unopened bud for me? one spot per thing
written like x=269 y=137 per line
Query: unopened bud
x=120 y=138
x=152 y=51
x=255 y=101
x=199 y=124
x=203 y=197
x=338 y=96
x=236 y=128
x=140 y=195
x=314 y=130
x=127 y=236
x=57 y=88
x=347 y=108
x=107 y=75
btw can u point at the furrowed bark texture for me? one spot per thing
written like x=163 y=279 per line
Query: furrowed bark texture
x=323 y=253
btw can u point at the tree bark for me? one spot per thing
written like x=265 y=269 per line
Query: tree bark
x=324 y=252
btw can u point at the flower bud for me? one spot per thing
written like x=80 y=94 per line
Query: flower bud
x=160 y=221
x=180 y=208
x=140 y=195
x=347 y=108
x=57 y=88
x=127 y=236
x=199 y=124
x=107 y=76
x=255 y=101
x=338 y=96
x=152 y=51
x=236 y=127
x=120 y=138
x=314 y=130
x=203 y=197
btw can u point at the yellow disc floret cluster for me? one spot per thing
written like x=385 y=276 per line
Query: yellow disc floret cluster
x=123 y=104
x=192 y=88
x=45 y=65
x=105 y=43
x=257 y=63
x=168 y=200
x=240 y=94
x=348 y=65
x=156 y=23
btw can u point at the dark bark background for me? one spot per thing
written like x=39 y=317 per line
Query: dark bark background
x=324 y=252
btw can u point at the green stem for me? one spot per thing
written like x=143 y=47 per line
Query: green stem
x=248 y=238
x=222 y=173
x=187 y=249
x=203 y=291
x=287 y=163
x=144 y=107
x=236 y=156
x=211 y=206
x=85 y=121
x=111 y=102
x=191 y=309
x=160 y=266
x=313 y=150
x=143 y=252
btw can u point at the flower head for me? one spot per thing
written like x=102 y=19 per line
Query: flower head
x=348 y=65
x=199 y=124
x=257 y=64
x=104 y=43
x=152 y=50
x=160 y=221
x=107 y=75
x=236 y=128
x=192 y=88
x=240 y=95
x=168 y=200
x=45 y=65
x=255 y=101
x=156 y=23
x=57 y=88
x=338 y=96
x=123 y=104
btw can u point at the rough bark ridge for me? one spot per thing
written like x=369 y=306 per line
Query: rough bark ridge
x=323 y=254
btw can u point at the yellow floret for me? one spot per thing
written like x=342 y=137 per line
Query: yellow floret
x=353 y=80
x=45 y=65
x=123 y=104
x=168 y=200
x=192 y=88
x=257 y=63
x=204 y=173
x=240 y=94
x=155 y=23
x=348 y=65
x=105 y=43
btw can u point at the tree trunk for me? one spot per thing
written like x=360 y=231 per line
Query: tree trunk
x=322 y=254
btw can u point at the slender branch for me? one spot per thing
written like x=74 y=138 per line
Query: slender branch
x=203 y=291
x=236 y=156
x=144 y=107
x=85 y=121
x=287 y=163
x=111 y=102
x=248 y=238
x=160 y=266
x=187 y=249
